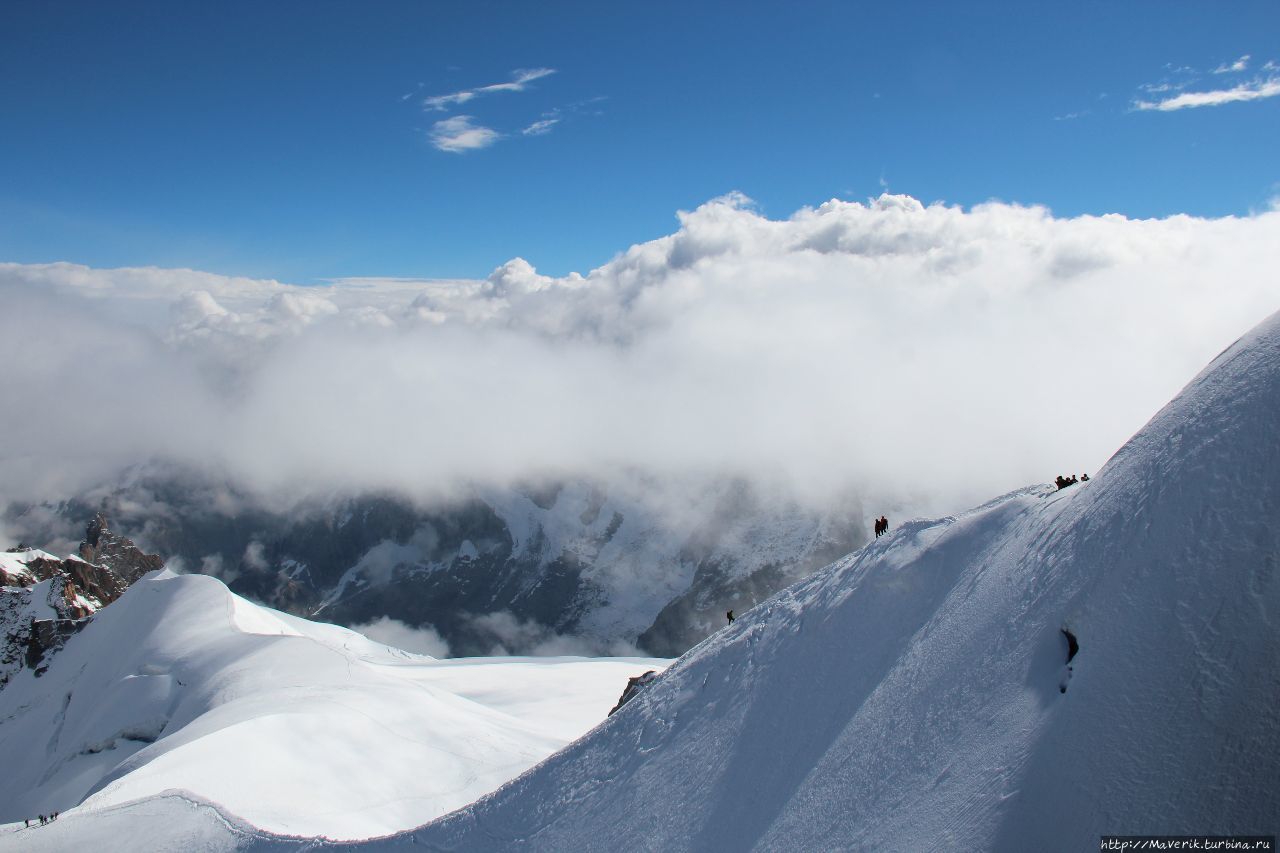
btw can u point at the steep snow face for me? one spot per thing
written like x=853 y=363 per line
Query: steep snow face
x=294 y=726
x=917 y=695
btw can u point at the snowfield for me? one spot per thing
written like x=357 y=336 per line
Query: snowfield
x=915 y=695
x=294 y=726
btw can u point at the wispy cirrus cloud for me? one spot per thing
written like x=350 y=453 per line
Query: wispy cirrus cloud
x=1249 y=91
x=458 y=134
x=520 y=79
x=552 y=117
x=1175 y=90
x=543 y=125
x=1235 y=67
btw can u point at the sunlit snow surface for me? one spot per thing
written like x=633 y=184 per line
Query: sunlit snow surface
x=912 y=696
x=292 y=726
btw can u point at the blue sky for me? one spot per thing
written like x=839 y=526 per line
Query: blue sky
x=303 y=141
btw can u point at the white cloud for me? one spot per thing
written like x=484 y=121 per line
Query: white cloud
x=1180 y=79
x=887 y=347
x=508 y=634
x=255 y=556
x=379 y=564
x=1250 y=91
x=520 y=79
x=459 y=134
x=1239 y=65
x=424 y=640
x=538 y=128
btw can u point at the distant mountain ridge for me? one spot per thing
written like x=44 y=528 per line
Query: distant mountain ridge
x=567 y=566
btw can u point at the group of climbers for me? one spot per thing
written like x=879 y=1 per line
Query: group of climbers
x=1063 y=482
x=49 y=818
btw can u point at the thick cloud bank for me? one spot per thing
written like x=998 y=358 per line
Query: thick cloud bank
x=929 y=353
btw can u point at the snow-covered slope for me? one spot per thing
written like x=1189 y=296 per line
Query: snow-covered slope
x=917 y=695
x=294 y=726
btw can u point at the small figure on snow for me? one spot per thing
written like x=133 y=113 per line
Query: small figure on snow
x=882 y=526
x=1084 y=478
x=730 y=616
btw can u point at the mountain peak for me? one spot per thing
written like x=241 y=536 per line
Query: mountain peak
x=103 y=548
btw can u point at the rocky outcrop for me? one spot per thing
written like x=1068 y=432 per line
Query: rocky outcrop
x=103 y=548
x=633 y=688
x=98 y=583
x=48 y=636
x=45 y=601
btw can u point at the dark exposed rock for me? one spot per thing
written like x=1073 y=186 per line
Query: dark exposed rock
x=1073 y=645
x=633 y=688
x=120 y=555
x=15 y=631
x=97 y=582
x=47 y=636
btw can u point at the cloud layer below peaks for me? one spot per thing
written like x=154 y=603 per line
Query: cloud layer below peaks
x=929 y=352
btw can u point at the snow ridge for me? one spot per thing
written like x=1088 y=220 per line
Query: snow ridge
x=290 y=725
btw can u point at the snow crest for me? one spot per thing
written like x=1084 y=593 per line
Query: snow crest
x=292 y=726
